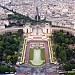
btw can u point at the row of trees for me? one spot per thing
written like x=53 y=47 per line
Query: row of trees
x=65 y=55
x=9 y=45
x=20 y=19
x=5 y=68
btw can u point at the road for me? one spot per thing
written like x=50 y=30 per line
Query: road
x=48 y=69
x=11 y=29
x=14 y=29
x=72 y=31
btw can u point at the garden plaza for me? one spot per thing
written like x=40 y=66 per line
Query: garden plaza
x=37 y=43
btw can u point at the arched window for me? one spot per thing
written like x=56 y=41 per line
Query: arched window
x=47 y=30
x=27 y=30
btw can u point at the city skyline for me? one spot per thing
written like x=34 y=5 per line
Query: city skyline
x=37 y=37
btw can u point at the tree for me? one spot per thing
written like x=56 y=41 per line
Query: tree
x=14 y=59
x=9 y=44
x=12 y=69
x=1 y=43
x=8 y=52
x=3 y=69
x=8 y=58
x=20 y=32
x=67 y=67
x=1 y=53
x=66 y=40
x=62 y=55
x=0 y=37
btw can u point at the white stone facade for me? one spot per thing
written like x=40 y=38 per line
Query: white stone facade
x=37 y=32
x=37 y=29
x=27 y=29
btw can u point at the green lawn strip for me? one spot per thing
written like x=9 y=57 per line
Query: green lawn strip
x=31 y=54
x=70 y=73
x=43 y=54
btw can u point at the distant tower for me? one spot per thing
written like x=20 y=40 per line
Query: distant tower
x=37 y=14
x=37 y=11
x=45 y=15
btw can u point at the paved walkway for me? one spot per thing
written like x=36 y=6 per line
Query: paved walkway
x=27 y=52
x=47 y=52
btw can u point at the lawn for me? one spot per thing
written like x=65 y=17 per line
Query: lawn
x=31 y=55
x=70 y=73
x=43 y=53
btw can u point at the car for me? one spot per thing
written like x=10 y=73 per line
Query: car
x=28 y=72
